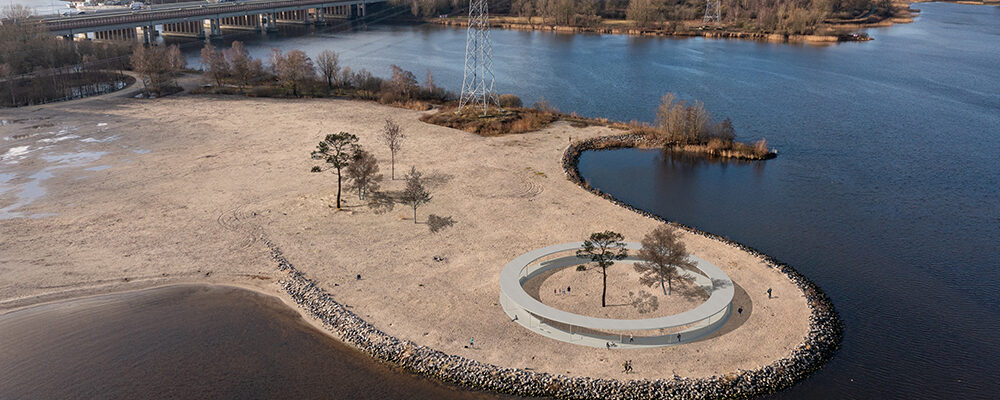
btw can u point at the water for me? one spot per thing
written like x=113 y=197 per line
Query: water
x=885 y=191
x=187 y=341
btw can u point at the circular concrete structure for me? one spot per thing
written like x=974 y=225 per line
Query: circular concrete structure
x=583 y=330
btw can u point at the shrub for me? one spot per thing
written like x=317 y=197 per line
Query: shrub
x=544 y=106
x=315 y=168
x=510 y=101
x=760 y=148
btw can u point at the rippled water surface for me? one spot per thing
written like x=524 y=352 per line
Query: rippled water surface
x=192 y=341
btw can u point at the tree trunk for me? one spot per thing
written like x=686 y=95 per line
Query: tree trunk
x=670 y=284
x=604 y=293
x=661 y=285
x=414 y=214
x=393 y=176
x=338 y=188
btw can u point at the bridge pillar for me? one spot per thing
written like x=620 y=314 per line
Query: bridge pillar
x=270 y=22
x=214 y=28
x=319 y=16
x=148 y=34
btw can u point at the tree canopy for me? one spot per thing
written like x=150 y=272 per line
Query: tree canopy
x=338 y=150
x=415 y=194
x=604 y=248
x=662 y=254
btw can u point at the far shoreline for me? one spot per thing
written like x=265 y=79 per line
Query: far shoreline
x=841 y=30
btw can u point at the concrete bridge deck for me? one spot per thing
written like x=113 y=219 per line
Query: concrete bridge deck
x=106 y=20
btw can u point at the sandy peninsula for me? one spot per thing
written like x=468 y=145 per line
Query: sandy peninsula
x=111 y=194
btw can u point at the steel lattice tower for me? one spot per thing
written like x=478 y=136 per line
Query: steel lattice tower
x=713 y=11
x=477 y=85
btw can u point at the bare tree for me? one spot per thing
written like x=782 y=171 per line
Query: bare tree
x=662 y=254
x=176 y=59
x=328 y=64
x=214 y=63
x=604 y=248
x=643 y=12
x=403 y=82
x=294 y=69
x=363 y=172
x=337 y=149
x=415 y=194
x=7 y=74
x=156 y=65
x=392 y=135
x=240 y=63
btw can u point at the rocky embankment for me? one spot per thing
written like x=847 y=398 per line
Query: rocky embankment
x=817 y=347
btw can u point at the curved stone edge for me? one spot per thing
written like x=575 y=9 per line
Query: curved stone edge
x=826 y=330
x=819 y=345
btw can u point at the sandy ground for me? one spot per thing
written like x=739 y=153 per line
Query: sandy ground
x=111 y=193
x=627 y=298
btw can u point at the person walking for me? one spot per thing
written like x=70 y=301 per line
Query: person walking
x=624 y=367
x=678 y=338
x=769 y=293
x=470 y=342
x=739 y=311
x=630 y=338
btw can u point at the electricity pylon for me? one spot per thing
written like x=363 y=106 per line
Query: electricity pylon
x=713 y=11
x=477 y=84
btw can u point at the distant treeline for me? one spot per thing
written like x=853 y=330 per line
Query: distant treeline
x=767 y=16
x=295 y=74
x=36 y=67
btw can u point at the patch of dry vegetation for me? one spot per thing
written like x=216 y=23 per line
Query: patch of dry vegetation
x=691 y=128
x=495 y=122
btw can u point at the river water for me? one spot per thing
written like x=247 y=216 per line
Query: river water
x=886 y=191
x=190 y=341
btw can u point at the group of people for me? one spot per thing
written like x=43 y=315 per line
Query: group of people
x=561 y=291
x=627 y=366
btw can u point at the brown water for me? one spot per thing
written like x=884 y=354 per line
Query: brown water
x=189 y=341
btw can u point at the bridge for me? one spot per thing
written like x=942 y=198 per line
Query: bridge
x=191 y=18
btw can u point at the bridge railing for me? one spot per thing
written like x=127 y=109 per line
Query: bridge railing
x=153 y=15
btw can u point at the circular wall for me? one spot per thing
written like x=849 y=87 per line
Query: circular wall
x=600 y=332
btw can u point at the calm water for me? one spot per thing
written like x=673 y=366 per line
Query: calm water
x=192 y=341
x=886 y=192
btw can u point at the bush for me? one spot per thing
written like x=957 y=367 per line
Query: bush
x=316 y=168
x=510 y=101
x=544 y=106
